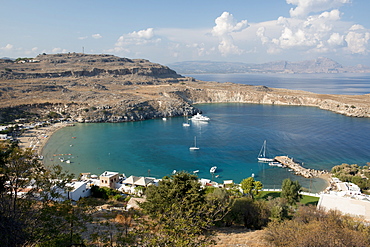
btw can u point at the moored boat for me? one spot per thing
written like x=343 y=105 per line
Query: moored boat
x=200 y=117
x=262 y=155
x=195 y=144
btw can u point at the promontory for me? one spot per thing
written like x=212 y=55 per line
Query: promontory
x=106 y=88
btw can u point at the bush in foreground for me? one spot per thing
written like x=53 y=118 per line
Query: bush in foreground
x=311 y=227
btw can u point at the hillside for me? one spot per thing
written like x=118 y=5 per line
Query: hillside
x=319 y=65
x=106 y=88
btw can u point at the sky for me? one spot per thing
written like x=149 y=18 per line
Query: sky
x=164 y=31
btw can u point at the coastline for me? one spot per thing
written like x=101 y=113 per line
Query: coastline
x=327 y=177
x=36 y=139
x=42 y=135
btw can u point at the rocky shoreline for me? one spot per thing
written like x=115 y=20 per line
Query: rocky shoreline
x=105 y=88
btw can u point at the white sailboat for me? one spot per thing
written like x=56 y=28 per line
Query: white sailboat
x=195 y=144
x=262 y=155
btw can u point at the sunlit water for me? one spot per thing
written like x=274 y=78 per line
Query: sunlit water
x=231 y=141
x=316 y=83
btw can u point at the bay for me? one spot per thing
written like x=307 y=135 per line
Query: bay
x=231 y=141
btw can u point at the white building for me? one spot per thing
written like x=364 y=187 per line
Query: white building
x=347 y=205
x=109 y=179
x=346 y=189
x=129 y=184
x=78 y=190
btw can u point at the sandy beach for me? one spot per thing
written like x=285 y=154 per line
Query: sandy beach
x=327 y=177
x=37 y=138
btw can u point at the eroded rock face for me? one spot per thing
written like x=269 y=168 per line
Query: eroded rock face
x=105 y=88
x=77 y=65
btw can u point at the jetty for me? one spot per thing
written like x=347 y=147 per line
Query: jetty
x=297 y=168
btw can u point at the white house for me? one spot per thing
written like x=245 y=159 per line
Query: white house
x=109 y=179
x=348 y=189
x=78 y=190
x=129 y=184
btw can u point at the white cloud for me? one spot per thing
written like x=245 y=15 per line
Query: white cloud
x=356 y=27
x=31 y=52
x=96 y=36
x=137 y=38
x=142 y=34
x=58 y=50
x=127 y=43
x=305 y=7
x=336 y=39
x=357 y=42
x=320 y=33
x=225 y=26
x=261 y=34
x=82 y=38
x=333 y=15
x=8 y=47
x=321 y=30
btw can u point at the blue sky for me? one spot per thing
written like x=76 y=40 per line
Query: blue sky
x=163 y=31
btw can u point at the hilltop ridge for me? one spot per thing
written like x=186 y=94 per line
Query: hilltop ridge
x=106 y=88
x=82 y=65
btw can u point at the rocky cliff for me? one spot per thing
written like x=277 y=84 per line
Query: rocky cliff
x=105 y=88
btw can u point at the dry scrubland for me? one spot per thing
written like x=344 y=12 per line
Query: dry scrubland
x=105 y=88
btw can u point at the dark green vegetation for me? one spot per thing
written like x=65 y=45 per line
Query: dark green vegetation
x=177 y=212
x=9 y=114
x=25 y=221
x=290 y=191
x=181 y=212
x=356 y=174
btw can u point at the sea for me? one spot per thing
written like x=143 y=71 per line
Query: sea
x=231 y=140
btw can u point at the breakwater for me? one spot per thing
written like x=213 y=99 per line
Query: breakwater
x=298 y=169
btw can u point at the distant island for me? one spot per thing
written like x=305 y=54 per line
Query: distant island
x=319 y=65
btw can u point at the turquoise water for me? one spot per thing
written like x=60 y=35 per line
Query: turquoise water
x=231 y=141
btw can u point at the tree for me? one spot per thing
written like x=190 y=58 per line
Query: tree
x=251 y=187
x=29 y=205
x=234 y=190
x=53 y=114
x=278 y=209
x=180 y=213
x=290 y=191
x=245 y=211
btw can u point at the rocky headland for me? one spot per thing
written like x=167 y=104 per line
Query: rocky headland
x=106 y=88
